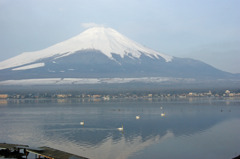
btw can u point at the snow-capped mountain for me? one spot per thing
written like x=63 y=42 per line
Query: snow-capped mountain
x=101 y=52
x=106 y=40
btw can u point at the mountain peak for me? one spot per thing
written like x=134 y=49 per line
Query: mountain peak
x=109 y=41
x=106 y=40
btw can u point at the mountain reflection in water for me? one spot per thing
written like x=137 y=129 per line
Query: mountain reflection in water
x=203 y=128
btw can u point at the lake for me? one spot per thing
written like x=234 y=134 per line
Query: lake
x=167 y=128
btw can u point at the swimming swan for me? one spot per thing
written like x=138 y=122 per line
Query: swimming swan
x=82 y=123
x=120 y=129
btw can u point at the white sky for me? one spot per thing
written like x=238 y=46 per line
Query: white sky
x=208 y=30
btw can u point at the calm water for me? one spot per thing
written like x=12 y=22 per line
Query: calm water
x=191 y=128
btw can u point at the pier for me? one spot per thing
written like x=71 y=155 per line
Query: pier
x=22 y=151
x=13 y=150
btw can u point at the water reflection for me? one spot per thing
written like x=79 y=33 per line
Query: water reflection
x=58 y=126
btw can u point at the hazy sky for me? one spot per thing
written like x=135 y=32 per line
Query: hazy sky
x=208 y=30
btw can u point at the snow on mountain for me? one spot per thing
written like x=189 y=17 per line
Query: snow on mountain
x=62 y=81
x=32 y=66
x=106 y=40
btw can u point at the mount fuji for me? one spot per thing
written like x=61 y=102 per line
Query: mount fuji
x=106 y=55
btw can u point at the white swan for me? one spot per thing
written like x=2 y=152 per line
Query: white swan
x=121 y=128
x=137 y=117
x=82 y=123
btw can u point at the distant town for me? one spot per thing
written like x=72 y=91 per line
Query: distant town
x=132 y=95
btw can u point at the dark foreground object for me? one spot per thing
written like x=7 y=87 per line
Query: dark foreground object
x=22 y=151
x=238 y=157
x=51 y=153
